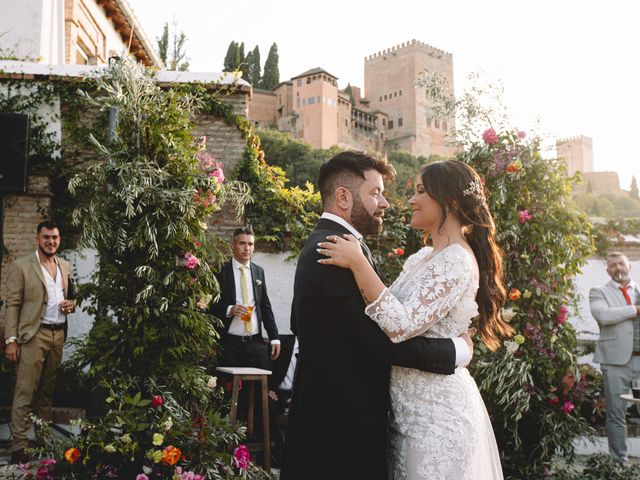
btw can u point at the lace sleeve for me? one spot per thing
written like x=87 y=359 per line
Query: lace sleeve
x=437 y=287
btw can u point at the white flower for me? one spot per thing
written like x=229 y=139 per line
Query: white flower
x=512 y=347
x=203 y=225
x=508 y=314
x=168 y=424
x=158 y=438
x=212 y=382
x=109 y=448
x=126 y=438
x=147 y=470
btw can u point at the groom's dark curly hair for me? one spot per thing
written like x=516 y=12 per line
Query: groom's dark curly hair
x=347 y=169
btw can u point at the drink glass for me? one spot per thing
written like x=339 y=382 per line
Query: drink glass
x=247 y=316
x=635 y=387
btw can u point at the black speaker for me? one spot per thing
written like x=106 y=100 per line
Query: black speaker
x=14 y=152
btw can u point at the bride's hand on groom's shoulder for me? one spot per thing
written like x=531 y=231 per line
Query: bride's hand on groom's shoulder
x=343 y=251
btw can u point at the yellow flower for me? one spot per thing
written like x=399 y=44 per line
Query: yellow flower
x=72 y=455
x=156 y=456
x=109 y=448
x=527 y=294
x=126 y=438
x=519 y=339
x=158 y=438
x=553 y=339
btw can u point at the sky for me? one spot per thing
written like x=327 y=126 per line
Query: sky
x=571 y=67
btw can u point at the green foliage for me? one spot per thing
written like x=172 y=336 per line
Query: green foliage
x=251 y=68
x=271 y=76
x=174 y=58
x=233 y=59
x=598 y=467
x=607 y=206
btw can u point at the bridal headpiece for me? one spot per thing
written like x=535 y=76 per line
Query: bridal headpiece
x=474 y=188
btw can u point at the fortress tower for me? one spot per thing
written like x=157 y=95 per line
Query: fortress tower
x=390 y=85
x=577 y=152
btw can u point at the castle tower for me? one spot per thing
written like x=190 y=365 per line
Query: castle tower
x=315 y=101
x=577 y=152
x=390 y=84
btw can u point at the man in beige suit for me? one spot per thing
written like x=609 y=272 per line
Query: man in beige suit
x=36 y=317
x=615 y=308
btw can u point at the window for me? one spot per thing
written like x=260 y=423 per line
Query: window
x=299 y=82
x=385 y=97
x=436 y=123
x=279 y=99
x=380 y=97
x=346 y=122
x=395 y=94
x=298 y=102
x=384 y=122
x=400 y=92
x=428 y=121
x=399 y=122
x=311 y=100
x=444 y=125
x=319 y=99
x=390 y=124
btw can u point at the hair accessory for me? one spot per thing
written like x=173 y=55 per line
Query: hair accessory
x=475 y=188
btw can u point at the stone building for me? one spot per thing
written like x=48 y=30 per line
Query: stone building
x=76 y=32
x=394 y=113
x=577 y=152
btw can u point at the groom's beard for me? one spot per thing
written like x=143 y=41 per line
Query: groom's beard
x=362 y=220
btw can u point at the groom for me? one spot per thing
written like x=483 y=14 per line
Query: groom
x=338 y=419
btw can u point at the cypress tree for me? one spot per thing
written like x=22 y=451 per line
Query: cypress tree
x=230 y=63
x=163 y=43
x=271 y=76
x=253 y=66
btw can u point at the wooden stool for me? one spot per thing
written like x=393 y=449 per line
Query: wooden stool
x=251 y=375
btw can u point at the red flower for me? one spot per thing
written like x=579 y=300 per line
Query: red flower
x=562 y=316
x=514 y=294
x=554 y=400
x=157 y=401
x=399 y=251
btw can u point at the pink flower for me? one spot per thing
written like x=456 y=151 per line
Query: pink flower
x=48 y=461
x=524 y=216
x=490 y=136
x=521 y=134
x=241 y=457
x=217 y=173
x=562 y=315
x=191 y=261
x=142 y=476
x=567 y=408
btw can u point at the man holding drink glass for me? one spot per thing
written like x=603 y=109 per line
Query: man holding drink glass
x=244 y=307
x=615 y=307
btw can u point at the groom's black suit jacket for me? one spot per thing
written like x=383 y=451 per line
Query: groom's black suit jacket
x=338 y=419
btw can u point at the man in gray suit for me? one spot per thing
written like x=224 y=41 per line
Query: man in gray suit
x=615 y=308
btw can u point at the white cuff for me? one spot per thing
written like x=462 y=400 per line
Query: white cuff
x=229 y=310
x=463 y=354
x=275 y=342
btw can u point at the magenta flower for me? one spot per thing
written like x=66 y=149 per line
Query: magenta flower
x=241 y=457
x=490 y=136
x=521 y=134
x=142 y=476
x=524 y=216
x=191 y=261
x=562 y=315
x=567 y=408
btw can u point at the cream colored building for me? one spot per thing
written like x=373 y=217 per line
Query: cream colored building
x=577 y=152
x=75 y=32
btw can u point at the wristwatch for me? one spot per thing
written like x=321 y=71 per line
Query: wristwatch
x=10 y=340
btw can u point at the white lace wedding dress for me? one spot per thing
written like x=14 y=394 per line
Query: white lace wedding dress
x=440 y=427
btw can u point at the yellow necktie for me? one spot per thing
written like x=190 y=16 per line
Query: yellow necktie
x=245 y=296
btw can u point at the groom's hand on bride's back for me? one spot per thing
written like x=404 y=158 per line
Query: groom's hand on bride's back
x=468 y=337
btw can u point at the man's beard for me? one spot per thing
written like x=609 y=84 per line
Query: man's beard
x=45 y=253
x=362 y=220
x=621 y=277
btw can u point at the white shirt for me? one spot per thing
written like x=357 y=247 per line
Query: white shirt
x=237 y=325
x=55 y=295
x=463 y=355
x=287 y=382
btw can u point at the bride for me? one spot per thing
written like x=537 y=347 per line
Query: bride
x=440 y=427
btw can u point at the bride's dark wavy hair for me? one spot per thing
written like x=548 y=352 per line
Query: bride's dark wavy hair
x=459 y=191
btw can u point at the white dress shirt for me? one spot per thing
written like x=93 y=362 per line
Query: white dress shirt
x=463 y=354
x=55 y=295
x=237 y=326
x=287 y=382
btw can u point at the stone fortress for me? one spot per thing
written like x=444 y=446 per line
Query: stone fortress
x=577 y=152
x=395 y=114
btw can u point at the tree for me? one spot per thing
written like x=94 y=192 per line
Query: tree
x=230 y=63
x=349 y=91
x=253 y=68
x=173 y=56
x=271 y=77
x=634 y=189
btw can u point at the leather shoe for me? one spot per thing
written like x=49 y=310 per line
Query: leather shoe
x=19 y=456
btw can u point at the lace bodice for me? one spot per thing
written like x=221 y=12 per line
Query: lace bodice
x=440 y=429
x=434 y=294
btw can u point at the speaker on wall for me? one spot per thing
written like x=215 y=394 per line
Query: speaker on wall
x=14 y=152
